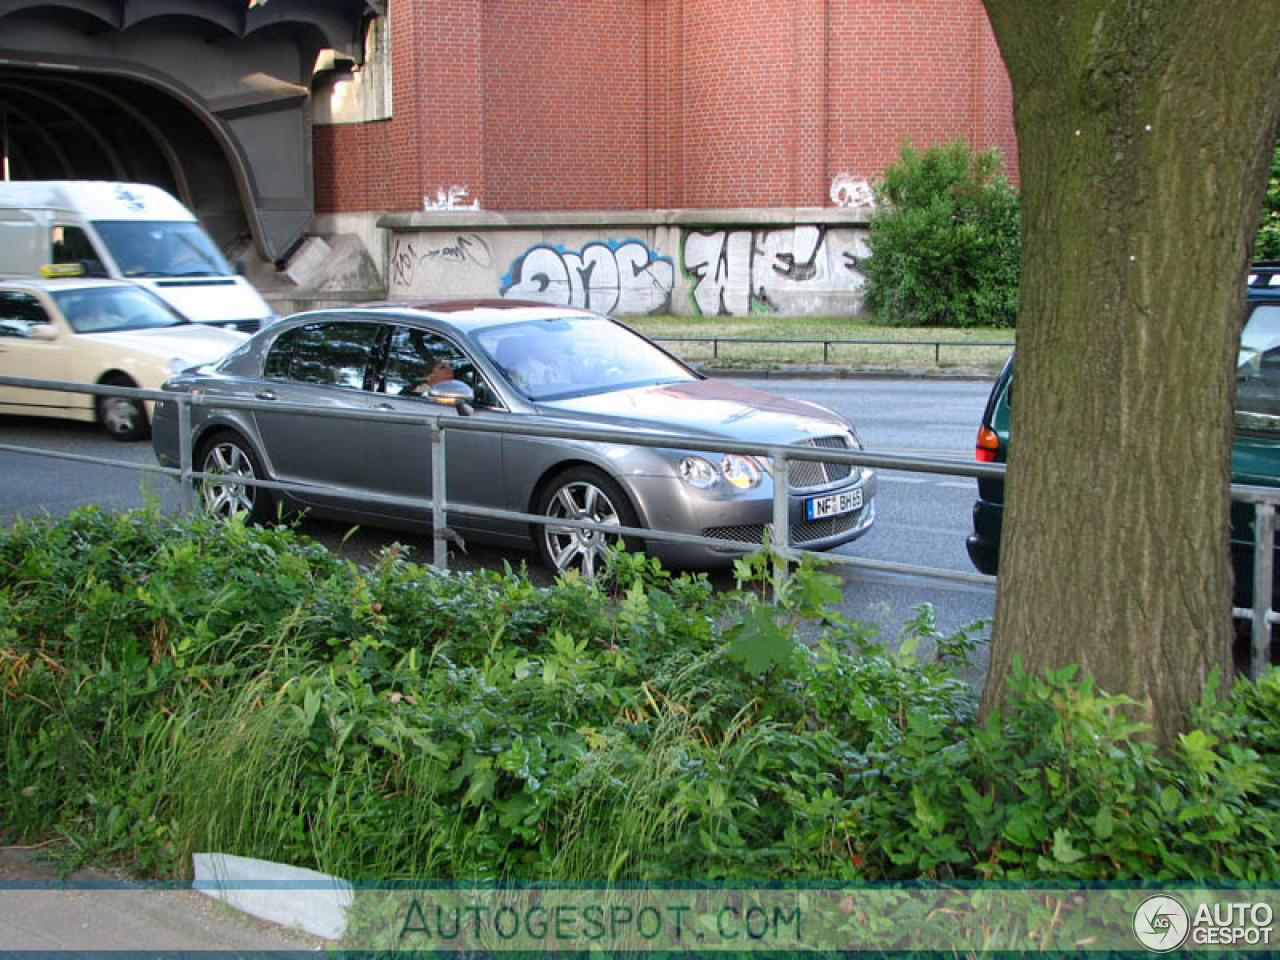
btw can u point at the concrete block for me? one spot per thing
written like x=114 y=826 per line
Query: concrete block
x=290 y=896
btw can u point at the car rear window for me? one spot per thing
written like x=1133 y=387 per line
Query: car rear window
x=331 y=354
x=1258 y=372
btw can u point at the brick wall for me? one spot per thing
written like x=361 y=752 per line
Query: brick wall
x=435 y=138
x=635 y=104
x=565 y=104
x=921 y=72
x=995 y=98
x=740 y=74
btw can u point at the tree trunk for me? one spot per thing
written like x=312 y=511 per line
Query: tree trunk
x=1144 y=132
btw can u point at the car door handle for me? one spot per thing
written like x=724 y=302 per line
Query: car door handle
x=387 y=407
x=266 y=395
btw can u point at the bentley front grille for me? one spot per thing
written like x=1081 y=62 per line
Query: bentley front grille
x=804 y=474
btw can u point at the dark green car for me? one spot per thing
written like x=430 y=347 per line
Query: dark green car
x=1255 y=457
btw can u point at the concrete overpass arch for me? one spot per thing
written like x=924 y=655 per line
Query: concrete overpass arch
x=209 y=99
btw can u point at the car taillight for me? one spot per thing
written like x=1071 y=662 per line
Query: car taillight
x=988 y=445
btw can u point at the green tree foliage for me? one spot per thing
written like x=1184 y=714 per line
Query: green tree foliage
x=945 y=245
x=1268 y=243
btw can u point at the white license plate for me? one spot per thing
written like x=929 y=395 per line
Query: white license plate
x=833 y=505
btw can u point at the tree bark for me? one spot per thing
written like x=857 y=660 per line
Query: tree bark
x=1144 y=131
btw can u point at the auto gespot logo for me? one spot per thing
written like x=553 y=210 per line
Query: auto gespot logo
x=1162 y=923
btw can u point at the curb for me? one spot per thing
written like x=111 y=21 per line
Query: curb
x=291 y=897
x=839 y=373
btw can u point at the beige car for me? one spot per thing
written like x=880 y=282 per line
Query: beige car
x=96 y=331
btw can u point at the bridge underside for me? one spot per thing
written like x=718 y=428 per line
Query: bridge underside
x=209 y=99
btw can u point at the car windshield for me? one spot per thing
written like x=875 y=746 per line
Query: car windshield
x=162 y=248
x=111 y=309
x=1261 y=333
x=573 y=356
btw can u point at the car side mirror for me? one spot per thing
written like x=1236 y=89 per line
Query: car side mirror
x=453 y=393
x=42 y=331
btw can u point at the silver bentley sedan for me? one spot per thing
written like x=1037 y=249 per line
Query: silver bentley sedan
x=518 y=364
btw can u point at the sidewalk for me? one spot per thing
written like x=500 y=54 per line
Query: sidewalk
x=93 y=912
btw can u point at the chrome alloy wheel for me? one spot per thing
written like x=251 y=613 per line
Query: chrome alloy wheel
x=221 y=494
x=571 y=548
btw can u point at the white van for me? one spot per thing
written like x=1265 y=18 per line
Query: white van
x=129 y=231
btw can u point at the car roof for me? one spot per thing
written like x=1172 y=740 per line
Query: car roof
x=1264 y=279
x=54 y=285
x=473 y=314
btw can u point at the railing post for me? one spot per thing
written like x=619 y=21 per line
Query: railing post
x=826 y=346
x=1264 y=538
x=186 y=496
x=781 y=540
x=715 y=348
x=439 y=519
x=937 y=353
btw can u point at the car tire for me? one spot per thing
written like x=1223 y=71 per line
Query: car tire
x=228 y=455
x=581 y=493
x=124 y=418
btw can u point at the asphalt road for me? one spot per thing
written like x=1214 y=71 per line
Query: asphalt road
x=922 y=519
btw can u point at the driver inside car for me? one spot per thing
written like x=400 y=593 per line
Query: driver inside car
x=537 y=365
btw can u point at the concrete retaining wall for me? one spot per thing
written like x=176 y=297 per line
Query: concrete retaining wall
x=687 y=263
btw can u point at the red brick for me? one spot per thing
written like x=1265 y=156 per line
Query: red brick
x=631 y=104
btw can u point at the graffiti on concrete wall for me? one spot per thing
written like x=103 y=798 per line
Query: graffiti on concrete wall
x=802 y=270
x=792 y=270
x=410 y=259
x=612 y=277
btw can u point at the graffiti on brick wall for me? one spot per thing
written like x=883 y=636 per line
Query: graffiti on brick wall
x=740 y=272
x=411 y=258
x=455 y=198
x=612 y=277
x=847 y=191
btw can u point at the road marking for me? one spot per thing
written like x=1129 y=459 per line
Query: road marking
x=920 y=528
x=957 y=484
x=932 y=452
x=913 y=580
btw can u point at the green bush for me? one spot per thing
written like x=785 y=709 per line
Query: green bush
x=945 y=243
x=1267 y=246
x=173 y=686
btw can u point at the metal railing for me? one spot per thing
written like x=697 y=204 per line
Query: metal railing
x=828 y=343
x=436 y=427
x=1260 y=615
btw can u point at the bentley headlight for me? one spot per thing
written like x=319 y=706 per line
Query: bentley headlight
x=739 y=472
x=697 y=472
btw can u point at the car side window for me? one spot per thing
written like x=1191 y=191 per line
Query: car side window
x=19 y=312
x=418 y=359
x=72 y=245
x=1258 y=372
x=331 y=354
